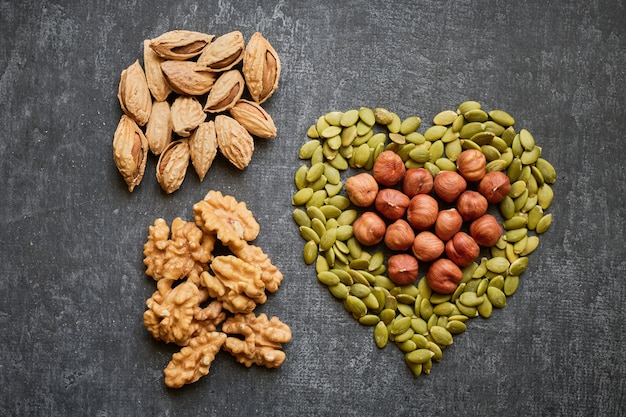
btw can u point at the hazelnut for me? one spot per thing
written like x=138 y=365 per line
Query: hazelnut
x=471 y=205
x=417 y=181
x=427 y=246
x=462 y=249
x=369 y=229
x=422 y=211
x=486 y=230
x=471 y=164
x=399 y=235
x=448 y=223
x=362 y=189
x=391 y=203
x=402 y=268
x=444 y=276
x=448 y=185
x=388 y=168
x=494 y=186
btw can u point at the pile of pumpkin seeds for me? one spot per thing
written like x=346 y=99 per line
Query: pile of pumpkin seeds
x=419 y=321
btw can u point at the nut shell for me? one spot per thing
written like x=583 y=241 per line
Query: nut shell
x=444 y=276
x=388 y=168
x=369 y=229
x=462 y=249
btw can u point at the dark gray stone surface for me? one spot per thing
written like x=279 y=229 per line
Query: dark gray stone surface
x=72 y=282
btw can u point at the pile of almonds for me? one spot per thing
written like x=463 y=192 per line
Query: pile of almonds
x=463 y=200
x=194 y=95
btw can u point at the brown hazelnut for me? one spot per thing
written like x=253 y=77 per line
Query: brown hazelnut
x=444 y=276
x=391 y=203
x=462 y=249
x=448 y=223
x=486 y=230
x=417 y=181
x=471 y=164
x=362 y=189
x=449 y=185
x=494 y=186
x=427 y=246
x=399 y=235
x=388 y=168
x=471 y=205
x=402 y=268
x=369 y=229
x=422 y=211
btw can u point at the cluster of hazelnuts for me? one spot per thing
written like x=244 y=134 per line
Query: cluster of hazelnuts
x=409 y=220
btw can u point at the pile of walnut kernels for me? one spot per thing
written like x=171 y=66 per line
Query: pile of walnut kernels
x=198 y=291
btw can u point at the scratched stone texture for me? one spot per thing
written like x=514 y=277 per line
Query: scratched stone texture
x=72 y=282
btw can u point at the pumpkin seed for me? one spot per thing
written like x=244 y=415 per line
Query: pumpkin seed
x=310 y=252
x=381 y=335
x=441 y=336
x=544 y=224
x=339 y=291
x=419 y=355
x=502 y=118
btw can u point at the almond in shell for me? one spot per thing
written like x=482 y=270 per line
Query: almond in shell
x=134 y=94
x=172 y=165
x=180 y=44
x=184 y=79
x=223 y=53
x=261 y=68
x=186 y=114
x=157 y=83
x=159 y=127
x=228 y=88
x=254 y=118
x=203 y=148
x=234 y=141
x=130 y=151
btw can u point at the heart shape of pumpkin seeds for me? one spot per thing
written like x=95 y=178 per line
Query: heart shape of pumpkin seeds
x=417 y=232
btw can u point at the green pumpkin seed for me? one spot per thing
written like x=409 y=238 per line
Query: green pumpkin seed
x=338 y=162
x=545 y=196
x=317 y=198
x=394 y=126
x=419 y=326
x=444 y=309
x=410 y=124
x=400 y=325
x=497 y=265
x=497 y=165
x=434 y=133
x=327 y=240
x=419 y=356
x=466 y=310
x=360 y=290
x=456 y=327
x=493 y=127
x=444 y=118
x=547 y=170
x=497 y=297
x=310 y=252
x=309 y=147
x=300 y=177
x=441 y=336
x=339 y=291
x=355 y=305
x=453 y=149
x=438 y=353
x=476 y=115
x=544 y=224
x=516 y=234
x=301 y=218
x=470 y=129
x=308 y=233
x=328 y=278
x=530 y=157
x=420 y=155
x=526 y=139
x=485 y=308
x=470 y=299
x=531 y=245
x=515 y=222
x=319 y=226
x=468 y=105
x=518 y=266
x=312 y=133
x=381 y=335
x=406 y=346
x=511 y=283
x=458 y=123
x=502 y=118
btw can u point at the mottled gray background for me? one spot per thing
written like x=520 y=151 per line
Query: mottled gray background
x=72 y=282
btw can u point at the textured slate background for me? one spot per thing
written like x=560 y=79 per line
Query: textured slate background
x=72 y=282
